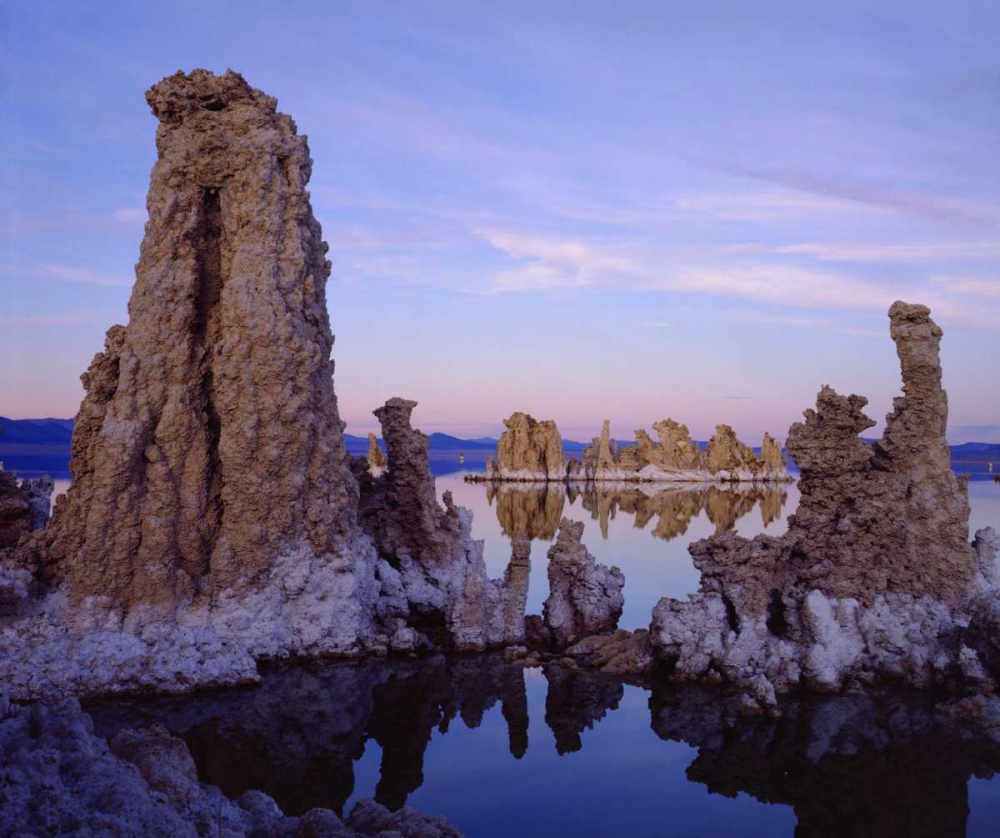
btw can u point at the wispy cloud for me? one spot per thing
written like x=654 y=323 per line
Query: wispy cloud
x=911 y=252
x=922 y=204
x=760 y=207
x=70 y=273
x=979 y=287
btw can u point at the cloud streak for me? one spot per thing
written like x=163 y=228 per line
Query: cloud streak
x=86 y=276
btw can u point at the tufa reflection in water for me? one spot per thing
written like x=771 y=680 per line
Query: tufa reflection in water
x=884 y=765
x=535 y=509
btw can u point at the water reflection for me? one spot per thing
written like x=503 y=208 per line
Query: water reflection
x=884 y=765
x=535 y=509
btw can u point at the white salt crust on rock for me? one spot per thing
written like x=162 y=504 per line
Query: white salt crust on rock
x=875 y=579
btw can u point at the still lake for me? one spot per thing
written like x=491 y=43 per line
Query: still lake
x=644 y=530
x=503 y=751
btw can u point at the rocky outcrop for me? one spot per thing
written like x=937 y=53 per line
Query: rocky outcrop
x=59 y=778
x=222 y=380
x=676 y=451
x=528 y=450
x=585 y=597
x=376 y=459
x=24 y=506
x=875 y=575
x=37 y=491
x=676 y=458
x=434 y=588
x=211 y=520
x=726 y=453
x=15 y=511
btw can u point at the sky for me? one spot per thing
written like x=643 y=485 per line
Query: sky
x=581 y=210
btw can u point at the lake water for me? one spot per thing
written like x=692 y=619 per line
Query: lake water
x=503 y=751
x=644 y=530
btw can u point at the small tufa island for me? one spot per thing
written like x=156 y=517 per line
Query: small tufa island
x=530 y=451
x=216 y=521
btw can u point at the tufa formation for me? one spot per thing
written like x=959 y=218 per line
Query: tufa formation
x=531 y=451
x=208 y=448
x=875 y=576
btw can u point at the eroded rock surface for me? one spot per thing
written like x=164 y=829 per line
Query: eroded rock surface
x=37 y=492
x=15 y=511
x=529 y=450
x=677 y=458
x=585 y=597
x=222 y=379
x=211 y=520
x=434 y=587
x=875 y=575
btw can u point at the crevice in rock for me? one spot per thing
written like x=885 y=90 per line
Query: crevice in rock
x=208 y=246
x=731 y=616
x=777 y=621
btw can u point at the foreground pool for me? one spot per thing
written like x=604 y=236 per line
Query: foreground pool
x=503 y=751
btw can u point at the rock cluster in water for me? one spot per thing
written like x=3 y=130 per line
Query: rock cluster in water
x=530 y=451
x=875 y=577
x=215 y=519
x=585 y=598
x=527 y=449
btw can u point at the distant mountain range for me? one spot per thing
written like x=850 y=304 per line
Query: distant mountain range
x=36 y=445
x=35 y=431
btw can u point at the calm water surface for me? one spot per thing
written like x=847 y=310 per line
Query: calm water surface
x=503 y=751
x=645 y=531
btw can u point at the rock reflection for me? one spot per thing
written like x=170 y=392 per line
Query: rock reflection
x=862 y=765
x=575 y=702
x=297 y=735
x=531 y=509
x=859 y=765
x=535 y=510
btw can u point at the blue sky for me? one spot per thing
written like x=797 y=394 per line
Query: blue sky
x=583 y=210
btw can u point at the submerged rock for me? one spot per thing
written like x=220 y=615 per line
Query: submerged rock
x=875 y=574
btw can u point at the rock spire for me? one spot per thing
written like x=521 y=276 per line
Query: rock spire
x=209 y=443
x=875 y=570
